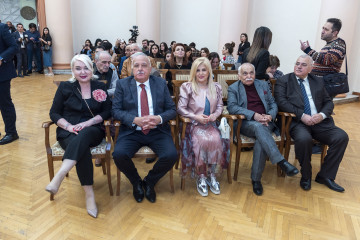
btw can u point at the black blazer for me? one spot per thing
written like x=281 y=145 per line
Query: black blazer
x=8 y=49
x=68 y=104
x=261 y=63
x=125 y=103
x=16 y=35
x=289 y=98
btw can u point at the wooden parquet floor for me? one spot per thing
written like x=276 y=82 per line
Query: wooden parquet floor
x=283 y=212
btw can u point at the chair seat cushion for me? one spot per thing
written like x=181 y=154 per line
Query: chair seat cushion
x=246 y=139
x=99 y=149
x=145 y=150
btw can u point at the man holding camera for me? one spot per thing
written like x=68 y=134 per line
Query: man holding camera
x=33 y=47
x=21 y=39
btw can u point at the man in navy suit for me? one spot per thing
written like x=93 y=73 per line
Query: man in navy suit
x=144 y=106
x=8 y=49
x=21 y=40
x=304 y=95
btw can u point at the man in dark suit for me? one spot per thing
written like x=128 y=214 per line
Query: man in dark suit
x=21 y=40
x=144 y=106
x=304 y=95
x=252 y=98
x=8 y=49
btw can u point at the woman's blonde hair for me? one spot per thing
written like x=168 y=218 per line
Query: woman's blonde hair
x=88 y=63
x=194 y=84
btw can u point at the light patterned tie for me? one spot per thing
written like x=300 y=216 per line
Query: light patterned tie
x=305 y=97
x=144 y=105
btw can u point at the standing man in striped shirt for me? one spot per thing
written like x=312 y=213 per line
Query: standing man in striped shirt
x=330 y=58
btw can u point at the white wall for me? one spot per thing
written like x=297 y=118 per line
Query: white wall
x=289 y=22
x=191 y=21
x=106 y=19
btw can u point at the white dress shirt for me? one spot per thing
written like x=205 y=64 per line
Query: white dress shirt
x=149 y=97
x=311 y=100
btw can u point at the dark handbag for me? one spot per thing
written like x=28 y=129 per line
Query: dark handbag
x=46 y=47
x=337 y=83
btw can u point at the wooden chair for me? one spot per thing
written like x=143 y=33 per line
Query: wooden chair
x=221 y=76
x=163 y=73
x=144 y=152
x=228 y=66
x=185 y=121
x=180 y=74
x=158 y=62
x=55 y=153
x=116 y=64
x=289 y=141
x=243 y=141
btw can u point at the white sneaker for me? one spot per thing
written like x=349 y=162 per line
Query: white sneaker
x=213 y=184
x=201 y=186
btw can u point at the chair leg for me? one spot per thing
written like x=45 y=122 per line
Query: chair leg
x=182 y=183
x=323 y=153
x=118 y=178
x=103 y=165
x=108 y=173
x=172 y=189
x=51 y=173
x=229 y=169
x=237 y=161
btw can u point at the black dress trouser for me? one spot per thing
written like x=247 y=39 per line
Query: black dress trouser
x=7 y=108
x=77 y=147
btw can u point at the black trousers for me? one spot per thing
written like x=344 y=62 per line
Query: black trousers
x=22 y=61
x=77 y=147
x=327 y=133
x=161 y=143
x=7 y=108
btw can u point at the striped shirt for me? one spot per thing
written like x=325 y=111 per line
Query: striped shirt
x=329 y=59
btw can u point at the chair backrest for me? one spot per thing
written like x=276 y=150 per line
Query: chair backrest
x=221 y=76
x=116 y=64
x=180 y=74
x=163 y=72
x=176 y=88
x=158 y=62
x=228 y=66
x=273 y=82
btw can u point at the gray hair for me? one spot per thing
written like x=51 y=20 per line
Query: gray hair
x=97 y=55
x=137 y=45
x=138 y=54
x=249 y=64
x=308 y=57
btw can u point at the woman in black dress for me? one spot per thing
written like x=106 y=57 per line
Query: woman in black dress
x=80 y=106
x=244 y=44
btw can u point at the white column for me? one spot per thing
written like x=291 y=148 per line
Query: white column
x=233 y=22
x=148 y=19
x=58 y=19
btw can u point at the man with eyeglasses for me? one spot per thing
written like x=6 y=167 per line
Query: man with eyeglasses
x=253 y=99
x=304 y=95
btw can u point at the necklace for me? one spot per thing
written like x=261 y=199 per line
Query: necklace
x=178 y=66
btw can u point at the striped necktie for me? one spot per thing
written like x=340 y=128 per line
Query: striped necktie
x=305 y=97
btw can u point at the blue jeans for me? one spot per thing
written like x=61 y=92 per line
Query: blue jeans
x=30 y=52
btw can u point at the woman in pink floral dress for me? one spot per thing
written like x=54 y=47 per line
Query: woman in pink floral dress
x=203 y=151
x=80 y=106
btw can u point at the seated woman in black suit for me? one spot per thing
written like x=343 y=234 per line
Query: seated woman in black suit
x=80 y=106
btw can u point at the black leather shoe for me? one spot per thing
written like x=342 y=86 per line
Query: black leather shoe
x=305 y=184
x=329 y=183
x=26 y=75
x=288 y=168
x=41 y=71
x=150 y=193
x=257 y=188
x=138 y=191
x=29 y=72
x=9 y=138
x=19 y=75
x=150 y=160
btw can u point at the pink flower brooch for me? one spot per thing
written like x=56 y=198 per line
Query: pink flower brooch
x=99 y=95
